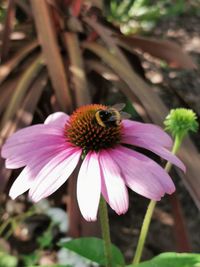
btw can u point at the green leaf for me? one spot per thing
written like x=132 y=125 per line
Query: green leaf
x=45 y=241
x=172 y=259
x=55 y=265
x=93 y=249
x=30 y=259
x=7 y=260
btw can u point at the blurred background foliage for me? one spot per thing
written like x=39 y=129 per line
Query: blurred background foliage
x=135 y=16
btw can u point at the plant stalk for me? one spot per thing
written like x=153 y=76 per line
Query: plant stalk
x=105 y=229
x=150 y=210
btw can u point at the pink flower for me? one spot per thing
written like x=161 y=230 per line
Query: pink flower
x=51 y=151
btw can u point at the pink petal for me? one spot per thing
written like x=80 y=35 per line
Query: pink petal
x=30 y=136
x=58 y=118
x=26 y=178
x=157 y=149
x=113 y=186
x=142 y=174
x=21 y=157
x=166 y=154
x=146 y=132
x=89 y=186
x=54 y=174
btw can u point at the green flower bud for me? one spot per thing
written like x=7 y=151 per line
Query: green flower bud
x=180 y=121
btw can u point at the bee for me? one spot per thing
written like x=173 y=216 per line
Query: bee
x=112 y=116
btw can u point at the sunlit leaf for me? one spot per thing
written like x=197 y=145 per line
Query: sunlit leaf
x=162 y=49
x=77 y=70
x=52 y=56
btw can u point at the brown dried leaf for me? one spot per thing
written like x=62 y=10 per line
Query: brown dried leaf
x=156 y=110
x=24 y=114
x=103 y=70
x=8 y=26
x=12 y=63
x=47 y=37
x=162 y=49
x=7 y=89
x=77 y=69
x=107 y=36
x=21 y=89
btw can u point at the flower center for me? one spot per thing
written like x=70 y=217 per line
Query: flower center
x=94 y=127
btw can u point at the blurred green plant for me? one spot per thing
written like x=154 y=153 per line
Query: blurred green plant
x=8 y=227
x=6 y=260
x=141 y=15
x=2 y=14
x=46 y=239
x=54 y=265
x=30 y=259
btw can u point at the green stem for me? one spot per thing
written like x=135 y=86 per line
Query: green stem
x=105 y=229
x=14 y=221
x=175 y=148
x=144 y=231
x=150 y=210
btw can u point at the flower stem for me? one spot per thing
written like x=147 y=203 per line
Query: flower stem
x=144 y=231
x=150 y=210
x=105 y=229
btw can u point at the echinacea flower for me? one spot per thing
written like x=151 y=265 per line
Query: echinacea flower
x=51 y=151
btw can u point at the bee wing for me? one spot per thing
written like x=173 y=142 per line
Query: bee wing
x=113 y=117
x=125 y=115
x=119 y=106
